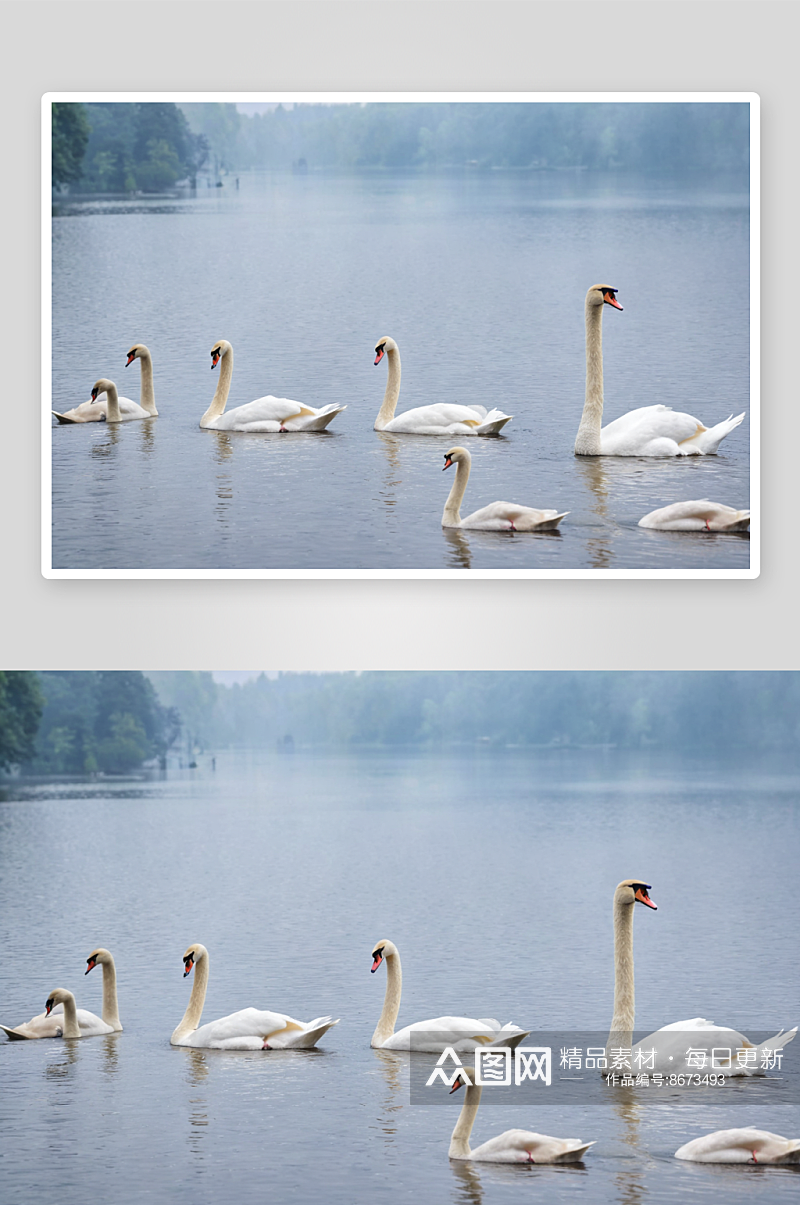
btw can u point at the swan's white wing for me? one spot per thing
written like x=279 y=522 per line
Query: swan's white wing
x=97 y=411
x=696 y=515
x=524 y=1146
x=463 y=1033
x=263 y=410
x=251 y=1028
x=740 y=1146
x=508 y=516
x=631 y=433
x=44 y=1026
x=441 y=416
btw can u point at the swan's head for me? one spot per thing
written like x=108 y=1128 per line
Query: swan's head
x=633 y=891
x=456 y=456
x=59 y=996
x=99 y=955
x=382 y=950
x=136 y=352
x=462 y=1080
x=220 y=349
x=193 y=955
x=603 y=295
x=102 y=386
x=384 y=345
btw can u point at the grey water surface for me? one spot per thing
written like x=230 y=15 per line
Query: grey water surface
x=491 y=870
x=480 y=278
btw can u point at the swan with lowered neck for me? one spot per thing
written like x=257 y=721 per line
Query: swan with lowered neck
x=461 y=1033
x=745 y=1145
x=61 y=1019
x=513 y=1146
x=248 y=1029
x=670 y=1043
x=697 y=516
x=96 y=409
x=265 y=413
x=497 y=516
x=440 y=418
x=647 y=431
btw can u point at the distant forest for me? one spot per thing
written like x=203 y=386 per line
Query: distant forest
x=114 y=721
x=149 y=146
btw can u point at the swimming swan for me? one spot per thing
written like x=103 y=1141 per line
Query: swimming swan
x=497 y=516
x=441 y=418
x=265 y=413
x=697 y=516
x=462 y=1033
x=96 y=409
x=746 y=1145
x=514 y=1146
x=61 y=1019
x=647 y=431
x=671 y=1042
x=249 y=1029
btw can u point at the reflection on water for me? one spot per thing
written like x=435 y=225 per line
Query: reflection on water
x=468 y=1189
x=460 y=557
x=630 y=1181
x=110 y=1063
x=196 y=1075
x=147 y=434
x=62 y=1067
x=392 y=479
x=392 y=1066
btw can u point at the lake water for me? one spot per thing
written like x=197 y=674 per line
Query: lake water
x=480 y=278
x=492 y=871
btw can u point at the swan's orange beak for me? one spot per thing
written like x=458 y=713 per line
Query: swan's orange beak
x=377 y=962
x=644 y=898
x=92 y=964
x=610 y=299
x=47 y=1008
x=458 y=1084
x=188 y=967
x=447 y=462
x=131 y=358
x=94 y=394
x=379 y=355
x=214 y=360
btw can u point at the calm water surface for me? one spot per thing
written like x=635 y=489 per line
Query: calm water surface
x=492 y=872
x=481 y=280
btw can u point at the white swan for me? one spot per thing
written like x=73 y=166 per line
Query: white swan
x=249 y=1029
x=648 y=431
x=61 y=1019
x=96 y=409
x=265 y=413
x=746 y=1145
x=671 y=1044
x=462 y=1033
x=110 y=1009
x=701 y=515
x=513 y=1146
x=441 y=418
x=497 y=516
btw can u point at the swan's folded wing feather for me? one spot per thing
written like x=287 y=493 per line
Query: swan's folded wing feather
x=648 y=423
x=246 y=1023
x=464 y=1033
x=525 y=1146
x=266 y=409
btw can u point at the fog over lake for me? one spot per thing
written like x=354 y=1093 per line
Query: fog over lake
x=492 y=870
x=480 y=277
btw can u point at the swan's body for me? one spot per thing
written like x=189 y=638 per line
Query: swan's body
x=50 y=1024
x=671 y=1044
x=96 y=409
x=440 y=418
x=514 y=1146
x=461 y=1033
x=647 y=431
x=61 y=1019
x=697 y=516
x=746 y=1145
x=497 y=516
x=248 y=1029
x=265 y=413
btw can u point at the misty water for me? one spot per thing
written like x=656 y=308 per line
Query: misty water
x=480 y=278
x=492 y=871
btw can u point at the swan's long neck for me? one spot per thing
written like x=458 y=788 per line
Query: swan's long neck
x=223 y=388
x=624 y=1005
x=110 y=1006
x=71 y=1028
x=452 y=507
x=147 y=398
x=587 y=441
x=459 y=1142
x=386 y=412
x=391 y=1001
x=194 y=1009
x=112 y=404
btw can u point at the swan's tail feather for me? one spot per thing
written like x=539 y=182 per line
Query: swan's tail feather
x=740 y=522
x=708 y=441
x=551 y=524
x=779 y=1041
x=62 y=418
x=792 y=1152
x=511 y=1039
x=14 y=1034
x=320 y=420
x=574 y=1155
x=309 y=1037
x=493 y=423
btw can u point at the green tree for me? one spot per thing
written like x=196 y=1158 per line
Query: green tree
x=21 y=705
x=69 y=140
